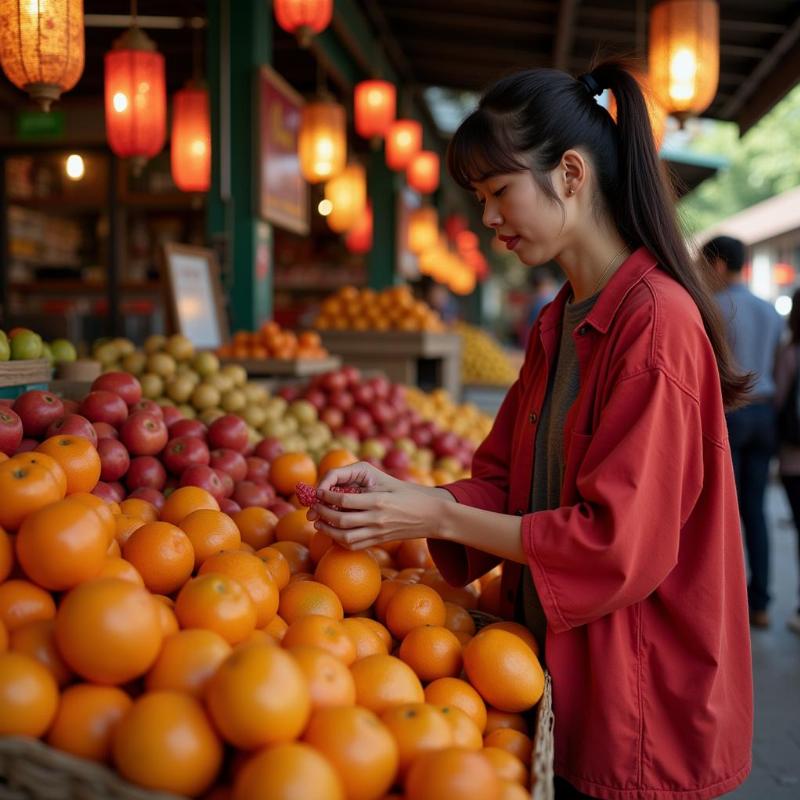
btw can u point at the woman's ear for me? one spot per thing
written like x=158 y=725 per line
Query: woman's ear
x=573 y=172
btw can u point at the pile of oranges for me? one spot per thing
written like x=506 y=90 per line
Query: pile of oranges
x=368 y=310
x=272 y=341
x=248 y=656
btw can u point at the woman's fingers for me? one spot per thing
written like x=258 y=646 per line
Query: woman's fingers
x=359 y=473
x=352 y=539
x=345 y=519
x=356 y=501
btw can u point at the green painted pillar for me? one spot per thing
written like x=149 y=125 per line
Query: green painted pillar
x=239 y=41
x=380 y=188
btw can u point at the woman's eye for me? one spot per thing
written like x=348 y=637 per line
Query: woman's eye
x=499 y=192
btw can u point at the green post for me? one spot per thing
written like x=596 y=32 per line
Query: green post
x=239 y=42
x=380 y=188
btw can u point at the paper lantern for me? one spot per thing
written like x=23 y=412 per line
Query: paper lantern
x=135 y=97
x=348 y=194
x=454 y=224
x=684 y=55
x=423 y=229
x=190 y=153
x=322 y=141
x=359 y=237
x=303 y=18
x=422 y=172
x=375 y=104
x=403 y=142
x=42 y=46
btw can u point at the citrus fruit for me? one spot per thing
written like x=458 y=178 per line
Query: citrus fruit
x=323 y=632
x=78 y=458
x=452 y=772
x=432 y=652
x=412 y=606
x=219 y=603
x=353 y=575
x=309 y=597
x=417 y=728
x=183 y=501
x=383 y=681
x=329 y=681
x=28 y=696
x=162 y=555
x=210 y=532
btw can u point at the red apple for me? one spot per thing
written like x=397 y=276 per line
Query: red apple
x=280 y=508
x=105 y=431
x=184 y=452
x=229 y=507
x=317 y=398
x=397 y=428
x=7 y=402
x=396 y=459
x=360 y=419
x=122 y=383
x=70 y=406
x=228 y=431
x=103 y=406
x=171 y=415
x=146 y=472
x=269 y=449
x=363 y=394
x=114 y=459
x=422 y=434
x=74 y=425
x=335 y=381
x=332 y=417
x=349 y=432
x=144 y=434
x=106 y=491
x=38 y=410
x=257 y=469
x=382 y=412
x=401 y=473
x=118 y=489
x=187 y=427
x=228 y=483
x=380 y=386
x=10 y=430
x=206 y=478
x=26 y=445
x=152 y=496
x=445 y=444
x=288 y=393
x=351 y=374
x=229 y=461
x=341 y=399
x=150 y=406
x=247 y=493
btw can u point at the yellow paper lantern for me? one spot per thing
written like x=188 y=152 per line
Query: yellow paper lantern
x=348 y=194
x=403 y=142
x=684 y=55
x=423 y=229
x=42 y=46
x=322 y=141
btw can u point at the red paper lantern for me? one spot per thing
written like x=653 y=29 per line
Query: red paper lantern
x=304 y=18
x=422 y=172
x=453 y=225
x=375 y=107
x=191 y=140
x=403 y=142
x=359 y=237
x=467 y=240
x=136 y=97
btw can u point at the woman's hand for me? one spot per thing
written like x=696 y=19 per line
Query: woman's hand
x=384 y=510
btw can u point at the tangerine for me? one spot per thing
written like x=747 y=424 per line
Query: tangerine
x=458 y=693
x=28 y=695
x=458 y=619
x=183 y=501
x=22 y=602
x=25 y=488
x=219 y=603
x=383 y=681
x=37 y=640
x=334 y=459
x=256 y=526
x=432 y=652
x=452 y=772
x=506 y=766
x=309 y=597
x=162 y=554
x=277 y=565
x=465 y=731
x=354 y=575
x=417 y=728
x=139 y=509
x=412 y=606
x=289 y=469
x=329 y=680
x=6 y=555
x=515 y=742
x=296 y=555
x=115 y=567
x=78 y=458
x=367 y=641
x=323 y=632
x=295 y=527
x=496 y=720
x=517 y=629
x=125 y=526
x=210 y=532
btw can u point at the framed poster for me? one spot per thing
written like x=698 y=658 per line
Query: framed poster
x=283 y=193
x=195 y=303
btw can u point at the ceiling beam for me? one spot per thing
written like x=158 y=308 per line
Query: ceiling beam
x=565 y=30
x=483 y=24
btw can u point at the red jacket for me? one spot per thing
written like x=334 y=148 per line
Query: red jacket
x=640 y=571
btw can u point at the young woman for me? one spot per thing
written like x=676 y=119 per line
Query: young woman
x=606 y=485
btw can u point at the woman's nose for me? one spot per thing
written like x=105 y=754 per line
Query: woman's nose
x=491 y=216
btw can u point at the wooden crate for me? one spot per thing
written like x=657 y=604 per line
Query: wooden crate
x=285 y=367
x=17 y=377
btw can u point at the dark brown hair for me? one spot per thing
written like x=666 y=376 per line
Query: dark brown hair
x=528 y=120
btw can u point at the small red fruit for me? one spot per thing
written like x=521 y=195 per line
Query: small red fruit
x=122 y=383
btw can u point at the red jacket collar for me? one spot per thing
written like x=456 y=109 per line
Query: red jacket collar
x=629 y=273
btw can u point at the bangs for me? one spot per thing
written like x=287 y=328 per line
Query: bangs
x=483 y=146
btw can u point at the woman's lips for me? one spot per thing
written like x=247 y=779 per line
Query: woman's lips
x=510 y=241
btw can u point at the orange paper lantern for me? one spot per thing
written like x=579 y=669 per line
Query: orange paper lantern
x=403 y=142
x=191 y=140
x=683 y=55
x=375 y=104
x=42 y=46
x=359 y=237
x=303 y=18
x=135 y=97
x=348 y=194
x=423 y=229
x=322 y=141
x=422 y=172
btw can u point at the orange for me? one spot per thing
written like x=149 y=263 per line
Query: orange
x=452 y=772
x=354 y=575
x=139 y=509
x=37 y=640
x=289 y=469
x=292 y=770
x=277 y=565
x=277 y=628
x=28 y=695
x=465 y=731
x=210 y=532
x=62 y=544
x=6 y=555
x=259 y=696
x=115 y=567
x=413 y=553
x=3 y=638
x=417 y=728
x=184 y=501
x=162 y=554
x=78 y=458
x=108 y=630
x=432 y=652
x=87 y=719
x=256 y=526
x=296 y=555
x=412 y=606
x=458 y=619
x=329 y=680
x=366 y=640
x=386 y=593
x=167 y=620
x=126 y=525
x=301 y=576
x=187 y=661
x=360 y=747
x=253 y=574
x=320 y=543
x=103 y=510
x=334 y=459
x=295 y=527
x=114 y=550
x=513 y=791
x=514 y=741
x=464 y=596
x=497 y=720
x=489 y=600
x=384 y=681
x=455 y=692
x=504 y=669
x=506 y=766
x=381 y=556
x=309 y=597
x=166 y=742
x=48 y=462
x=381 y=630
x=518 y=630
x=321 y=631
x=22 y=602
x=219 y=603
x=26 y=487
x=410 y=574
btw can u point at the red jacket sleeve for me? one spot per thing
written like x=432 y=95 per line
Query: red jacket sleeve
x=486 y=489
x=639 y=476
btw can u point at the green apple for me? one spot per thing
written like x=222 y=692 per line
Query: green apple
x=152 y=385
x=26 y=345
x=233 y=400
x=237 y=373
x=124 y=346
x=180 y=388
x=161 y=364
x=63 y=350
x=205 y=396
x=5 y=348
x=154 y=343
x=205 y=363
x=107 y=354
x=223 y=382
x=208 y=415
x=135 y=363
x=187 y=411
x=179 y=347
x=47 y=353
x=303 y=412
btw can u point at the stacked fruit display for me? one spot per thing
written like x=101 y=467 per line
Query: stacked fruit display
x=483 y=360
x=24 y=344
x=272 y=341
x=194 y=650
x=465 y=420
x=365 y=309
